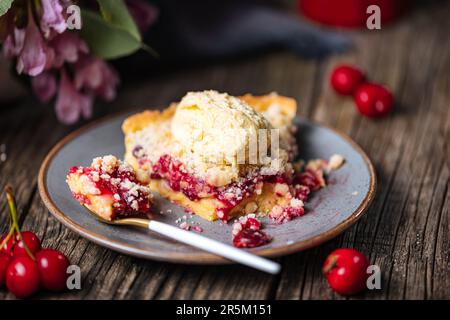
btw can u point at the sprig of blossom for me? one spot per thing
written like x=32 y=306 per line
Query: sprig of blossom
x=58 y=60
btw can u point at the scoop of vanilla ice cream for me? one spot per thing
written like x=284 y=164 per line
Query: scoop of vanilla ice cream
x=217 y=127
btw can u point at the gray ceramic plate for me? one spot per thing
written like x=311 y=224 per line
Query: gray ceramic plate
x=329 y=211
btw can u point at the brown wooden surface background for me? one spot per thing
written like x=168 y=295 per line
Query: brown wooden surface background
x=405 y=232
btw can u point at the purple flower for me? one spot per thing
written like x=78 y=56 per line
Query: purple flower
x=96 y=76
x=44 y=86
x=143 y=13
x=52 y=17
x=68 y=47
x=33 y=56
x=70 y=103
x=14 y=43
x=50 y=58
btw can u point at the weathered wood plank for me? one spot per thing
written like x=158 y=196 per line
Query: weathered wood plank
x=421 y=157
x=408 y=150
x=25 y=133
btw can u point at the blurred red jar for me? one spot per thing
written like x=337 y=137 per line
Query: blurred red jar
x=351 y=13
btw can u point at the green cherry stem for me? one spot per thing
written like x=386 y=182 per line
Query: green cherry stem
x=10 y=232
x=14 y=223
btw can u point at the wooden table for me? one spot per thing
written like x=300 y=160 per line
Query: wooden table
x=405 y=232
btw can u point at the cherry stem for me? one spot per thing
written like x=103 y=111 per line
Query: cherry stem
x=14 y=223
x=10 y=233
x=330 y=265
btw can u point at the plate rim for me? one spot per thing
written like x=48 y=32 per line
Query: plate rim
x=200 y=257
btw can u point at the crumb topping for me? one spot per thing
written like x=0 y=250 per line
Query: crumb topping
x=210 y=134
x=109 y=177
x=335 y=162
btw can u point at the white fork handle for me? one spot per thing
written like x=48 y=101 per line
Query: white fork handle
x=215 y=247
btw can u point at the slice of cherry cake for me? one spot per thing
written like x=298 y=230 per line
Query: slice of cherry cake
x=197 y=153
x=222 y=157
x=109 y=188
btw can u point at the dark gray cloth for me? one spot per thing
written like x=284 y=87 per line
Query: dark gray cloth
x=193 y=29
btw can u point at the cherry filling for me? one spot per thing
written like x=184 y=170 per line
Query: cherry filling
x=301 y=192
x=121 y=183
x=233 y=194
x=247 y=230
x=172 y=171
x=247 y=234
x=179 y=180
x=282 y=215
x=81 y=198
x=309 y=178
x=249 y=238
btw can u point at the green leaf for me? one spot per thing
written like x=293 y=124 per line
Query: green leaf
x=4 y=6
x=107 y=40
x=116 y=13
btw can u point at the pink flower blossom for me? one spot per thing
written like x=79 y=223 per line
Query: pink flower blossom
x=52 y=17
x=50 y=58
x=44 y=86
x=68 y=47
x=33 y=56
x=96 y=76
x=14 y=43
x=143 y=13
x=70 y=104
x=45 y=47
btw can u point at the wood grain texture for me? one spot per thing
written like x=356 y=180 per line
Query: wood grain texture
x=406 y=231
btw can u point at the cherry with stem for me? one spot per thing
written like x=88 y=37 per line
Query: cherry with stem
x=14 y=225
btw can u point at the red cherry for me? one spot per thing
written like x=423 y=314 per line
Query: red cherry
x=4 y=262
x=8 y=246
x=31 y=240
x=22 y=277
x=345 y=79
x=346 y=271
x=373 y=100
x=53 y=269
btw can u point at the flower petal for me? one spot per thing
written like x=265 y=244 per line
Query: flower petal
x=52 y=17
x=44 y=86
x=67 y=47
x=32 y=58
x=70 y=103
x=143 y=13
x=97 y=76
x=13 y=43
